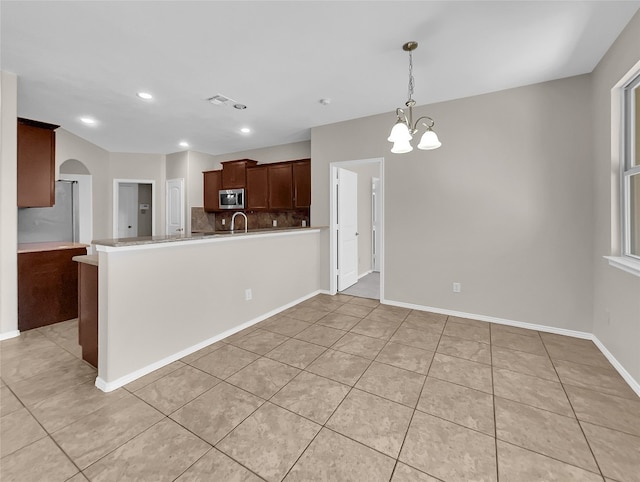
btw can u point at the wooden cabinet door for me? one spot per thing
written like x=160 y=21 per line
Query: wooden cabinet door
x=36 y=164
x=234 y=173
x=257 y=191
x=280 y=186
x=88 y=312
x=302 y=184
x=212 y=186
x=47 y=287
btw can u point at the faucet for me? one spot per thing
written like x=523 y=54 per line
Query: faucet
x=233 y=220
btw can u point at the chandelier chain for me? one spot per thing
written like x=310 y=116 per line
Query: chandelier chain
x=411 y=81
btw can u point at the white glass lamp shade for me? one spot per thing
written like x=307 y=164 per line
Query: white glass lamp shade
x=401 y=147
x=400 y=133
x=429 y=141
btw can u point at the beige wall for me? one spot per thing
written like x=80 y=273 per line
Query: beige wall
x=616 y=294
x=365 y=172
x=284 y=152
x=197 y=163
x=157 y=302
x=499 y=208
x=140 y=167
x=8 y=203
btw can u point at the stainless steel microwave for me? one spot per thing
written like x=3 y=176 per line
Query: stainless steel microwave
x=231 y=199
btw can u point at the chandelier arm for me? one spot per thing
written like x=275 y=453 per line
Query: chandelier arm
x=402 y=116
x=428 y=125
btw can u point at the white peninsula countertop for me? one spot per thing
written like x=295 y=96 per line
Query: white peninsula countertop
x=199 y=236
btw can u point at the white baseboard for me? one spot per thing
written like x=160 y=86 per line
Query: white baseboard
x=365 y=274
x=635 y=386
x=493 y=319
x=9 y=334
x=119 y=382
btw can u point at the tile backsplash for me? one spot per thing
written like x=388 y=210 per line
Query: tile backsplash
x=204 y=221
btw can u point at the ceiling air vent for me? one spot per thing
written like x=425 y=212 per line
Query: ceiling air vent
x=220 y=99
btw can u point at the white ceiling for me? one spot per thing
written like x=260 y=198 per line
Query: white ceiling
x=90 y=58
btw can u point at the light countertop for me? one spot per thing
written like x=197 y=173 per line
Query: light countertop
x=48 y=246
x=87 y=259
x=119 y=242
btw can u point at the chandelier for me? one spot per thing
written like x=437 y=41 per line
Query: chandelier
x=404 y=129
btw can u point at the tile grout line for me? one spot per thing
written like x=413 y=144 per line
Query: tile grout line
x=493 y=400
x=269 y=401
x=541 y=409
x=324 y=425
x=574 y=412
x=415 y=408
x=47 y=433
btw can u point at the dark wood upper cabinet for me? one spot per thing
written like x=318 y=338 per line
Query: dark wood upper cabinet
x=302 y=183
x=212 y=186
x=36 y=163
x=234 y=173
x=277 y=186
x=280 y=186
x=257 y=188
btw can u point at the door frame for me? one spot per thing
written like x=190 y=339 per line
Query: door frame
x=333 y=225
x=376 y=229
x=116 y=201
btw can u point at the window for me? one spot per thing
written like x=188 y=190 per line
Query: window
x=630 y=165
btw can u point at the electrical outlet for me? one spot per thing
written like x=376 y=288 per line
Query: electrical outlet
x=457 y=287
x=248 y=295
x=224 y=221
x=275 y=223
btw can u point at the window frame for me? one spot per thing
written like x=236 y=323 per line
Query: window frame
x=621 y=175
x=629 y=145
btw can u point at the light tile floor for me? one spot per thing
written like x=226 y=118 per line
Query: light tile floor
x=366 y=287
x=337 y=388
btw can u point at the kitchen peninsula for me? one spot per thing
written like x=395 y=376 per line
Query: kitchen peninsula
x=162 y=298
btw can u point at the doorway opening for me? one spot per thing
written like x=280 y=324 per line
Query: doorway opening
x=133 y=208
x=74 y=170
x=356 y=249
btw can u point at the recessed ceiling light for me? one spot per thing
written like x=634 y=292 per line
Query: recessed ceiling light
x=145 y=95
x=240 y=106
x=184 y=144
x=245 y=130
x=88 y=120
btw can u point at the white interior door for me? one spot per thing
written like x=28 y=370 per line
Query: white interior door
x=376 y=209
x=127 y=210
x=175 y=206
x=347 y=203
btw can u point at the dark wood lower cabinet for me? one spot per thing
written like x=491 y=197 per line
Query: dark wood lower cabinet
x=47 y=287
x=88 y=312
